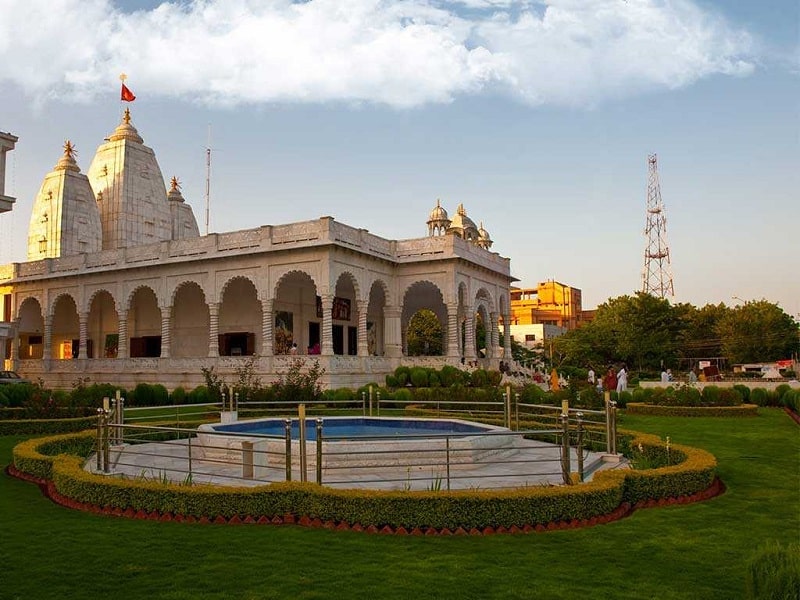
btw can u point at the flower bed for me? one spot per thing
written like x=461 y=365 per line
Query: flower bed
x=609 y=495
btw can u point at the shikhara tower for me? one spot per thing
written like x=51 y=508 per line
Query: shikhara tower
x=657 y=275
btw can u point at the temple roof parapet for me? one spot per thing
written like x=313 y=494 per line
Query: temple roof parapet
x=268 y=238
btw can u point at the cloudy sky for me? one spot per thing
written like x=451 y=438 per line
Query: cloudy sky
x=538 y=116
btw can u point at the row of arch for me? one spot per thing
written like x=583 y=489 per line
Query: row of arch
x=299 y=318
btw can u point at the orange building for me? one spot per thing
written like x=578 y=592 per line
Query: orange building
x=551 y=303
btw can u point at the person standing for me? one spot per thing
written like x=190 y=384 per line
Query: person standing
x=664 y=376
x=622 y=379
x=610 y=380
x=591 y=376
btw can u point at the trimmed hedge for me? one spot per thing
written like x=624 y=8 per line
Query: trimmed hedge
x=742 y=410
x=467 y=509
x=45 y=426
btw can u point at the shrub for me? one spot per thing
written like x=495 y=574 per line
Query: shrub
x=449 y=375
x=758 y=396
x=479 y=378
x=403 y=395
x=744 y=391
x=495 y=377
x=687 y=395
x=729 y=397
x=532 y=394
x=344 y=395
x=419 y=377
x=160 y=395
x=403 y=374
x=591 y=398
x=623 y=398
x=773 y=573
x=200 y=395
x=433 y=380
x=18 y=394
x=711 y=395
x=391 y=381
x=781 y=391
x=178 y=395
x=297 y=386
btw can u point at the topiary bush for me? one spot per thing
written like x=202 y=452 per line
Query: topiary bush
x=744 y=391
x=479 y=378
x=403 y=375
x=178 y=396
x=433 y=379
x=419 y=377
x=758 y=396
x=449 y=375
x=403 y=395
x=199 y=395
x=495 y=377
x=391 y=381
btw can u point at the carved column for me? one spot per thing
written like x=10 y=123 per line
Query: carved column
x=507 y=336
x=267 y=327
x=393 y=331
x=469 y=324
x=363 y=349
x=452 y=330
x=15 y=346
x=47 y=340
x=213 y=329
x=493 y=337
x=327 y=325
x=166 y=331
x=122 y=334
x=83 y=319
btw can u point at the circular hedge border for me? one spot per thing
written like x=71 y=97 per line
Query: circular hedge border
x=55 y=463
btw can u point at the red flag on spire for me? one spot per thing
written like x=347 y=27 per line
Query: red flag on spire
x=126 y=95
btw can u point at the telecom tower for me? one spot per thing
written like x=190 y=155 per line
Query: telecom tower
x=657 y=275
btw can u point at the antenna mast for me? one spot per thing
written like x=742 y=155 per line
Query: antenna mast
x=208 y=177
x=657 y=276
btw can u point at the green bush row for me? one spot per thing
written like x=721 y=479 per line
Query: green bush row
x=447 y=376
x=45 y=426
x=467 y=509
x=743 y=410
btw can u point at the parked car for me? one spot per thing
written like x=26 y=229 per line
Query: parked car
x=7 y=377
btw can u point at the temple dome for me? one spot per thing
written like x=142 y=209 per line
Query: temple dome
x=126 y=131
x=438 y=222
x=484 y=240
x=462 y=225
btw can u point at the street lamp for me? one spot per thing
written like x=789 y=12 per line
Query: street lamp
x=739 y=299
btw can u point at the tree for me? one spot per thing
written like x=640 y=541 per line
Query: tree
x=757 y=331
x=700 y=338
x=424 y=334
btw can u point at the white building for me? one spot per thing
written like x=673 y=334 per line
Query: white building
x=120 y=287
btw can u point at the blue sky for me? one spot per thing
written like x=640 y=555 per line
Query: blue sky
x=537 y=116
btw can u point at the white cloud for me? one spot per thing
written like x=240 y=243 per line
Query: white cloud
x=403 y=53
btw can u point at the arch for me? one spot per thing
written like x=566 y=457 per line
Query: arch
x=101 y=290
x=182 y=284
x=30 y=328
x=422 y=294
x=348 y=275
x=144 y=323
x=239 y=318
x=296 y=313
x=102 y=326
x=65 y=328
x=344 y=329
x=482 y=294
x=289 y=275
x=234 y=278
x=376 y=325
x=128 y=302
x=189 y=321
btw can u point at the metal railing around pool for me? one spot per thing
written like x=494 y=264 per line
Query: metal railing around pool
x=440 y=461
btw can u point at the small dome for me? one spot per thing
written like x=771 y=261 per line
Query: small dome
x=126 y=131
x=484 y=240
x=438 y=213
x=463 y=225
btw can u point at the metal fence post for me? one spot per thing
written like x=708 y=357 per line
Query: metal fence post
x=319 y=451
x=301 y=410
x=608 y=423
x=613 y=430
x=516 y=410
x=106 y=443
x=99 y=442
x=121 y=421
x=364 y=403
x=579 y=444
x=378 y=394
x=448 y=463
x=565 y=461
x=370 y=401
x=190 y=457
x=288 y=435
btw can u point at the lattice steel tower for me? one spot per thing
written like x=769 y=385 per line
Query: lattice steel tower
x=657 y=275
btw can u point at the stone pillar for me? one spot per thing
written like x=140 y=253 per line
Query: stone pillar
x=507 y=336
x=83 y=319
x=327 y=325
x=363 y=350
x=166 y=331
x=213 y=329
x=469 y=350
x=122 y=334
x=493 y=336
x=392 y=331
x=15 y=345
x=47 y=339
x=452 y=330
x=267 y=328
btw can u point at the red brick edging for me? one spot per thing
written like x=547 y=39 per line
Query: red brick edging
x=623 y=510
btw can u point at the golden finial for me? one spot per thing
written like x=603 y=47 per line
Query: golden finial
x=127 y=117
x=175 y=183
x=122 y=77
x=69 y=149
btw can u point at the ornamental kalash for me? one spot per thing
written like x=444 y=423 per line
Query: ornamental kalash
x=120 y=286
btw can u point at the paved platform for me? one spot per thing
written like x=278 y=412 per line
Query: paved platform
x=528 y=463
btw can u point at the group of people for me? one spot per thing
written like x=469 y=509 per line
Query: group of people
x=612 y=381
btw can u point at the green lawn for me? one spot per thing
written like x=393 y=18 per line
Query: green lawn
x=693 y=551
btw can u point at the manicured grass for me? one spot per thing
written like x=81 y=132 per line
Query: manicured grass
x=692 y=551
